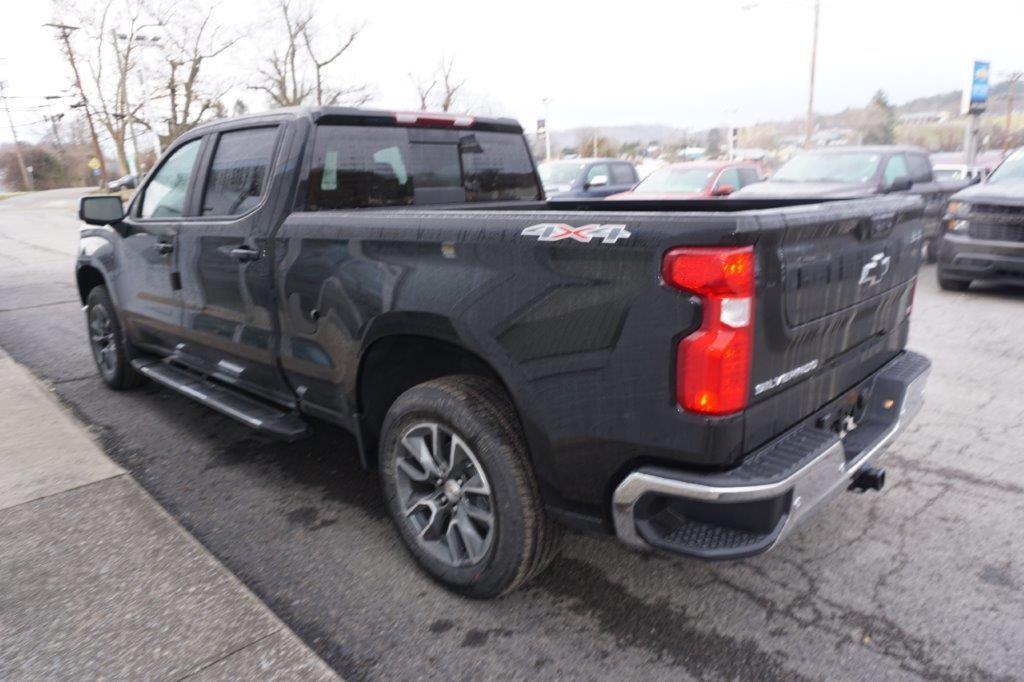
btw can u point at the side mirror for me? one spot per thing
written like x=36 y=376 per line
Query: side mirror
x=900 y=184
x=598 y=181
x=723 y=191
x=101 y=210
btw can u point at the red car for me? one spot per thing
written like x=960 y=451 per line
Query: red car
x=694 y=180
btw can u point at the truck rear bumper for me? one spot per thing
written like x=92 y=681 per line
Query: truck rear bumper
x=749 y=509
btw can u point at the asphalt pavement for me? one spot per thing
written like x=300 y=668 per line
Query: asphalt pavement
x=925 y=580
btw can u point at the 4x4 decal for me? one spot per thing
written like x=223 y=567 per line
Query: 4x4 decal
x=553 y=232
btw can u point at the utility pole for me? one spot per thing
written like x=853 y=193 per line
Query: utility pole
x=547 y=129
x=65 y=36
x=26 y=180
x=1014 y=77
x=809 y=132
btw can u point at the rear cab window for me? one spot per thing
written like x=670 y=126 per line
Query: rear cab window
x=369 y=166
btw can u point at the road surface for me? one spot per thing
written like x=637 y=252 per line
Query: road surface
x=925 y=580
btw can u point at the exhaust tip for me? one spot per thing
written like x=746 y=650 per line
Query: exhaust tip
x=868 y=478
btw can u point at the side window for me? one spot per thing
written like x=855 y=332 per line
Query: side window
x=165 y=194
x=920 y=168
x=622 y=174
x=598 y=170
x=238 y=174
x=895 y=167
x=748 y=176
x=730 y=176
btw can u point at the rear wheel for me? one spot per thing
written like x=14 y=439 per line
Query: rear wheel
x=459 y=487
x=106 y=338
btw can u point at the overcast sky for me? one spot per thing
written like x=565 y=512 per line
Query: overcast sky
x=684 y=63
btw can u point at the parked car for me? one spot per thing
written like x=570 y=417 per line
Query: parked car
x=129 y=181
x=694 y=377
x=960 y=171
x=587 y=178
x=984 y=240
x=852 y=172
x=694 y=180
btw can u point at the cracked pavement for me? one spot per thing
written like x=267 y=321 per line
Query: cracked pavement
x=925 y=580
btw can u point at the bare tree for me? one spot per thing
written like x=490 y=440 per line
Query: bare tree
x=294 y=74
x=444 y=75
x=423 y=90
x=189 y=46
x=356 y=94
x=113 y=62
x=449 y=84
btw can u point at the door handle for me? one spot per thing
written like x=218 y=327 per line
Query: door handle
x=244 y=254
x=164 y=248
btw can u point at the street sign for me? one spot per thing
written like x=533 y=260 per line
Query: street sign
x=94 y=163
x=975 y=97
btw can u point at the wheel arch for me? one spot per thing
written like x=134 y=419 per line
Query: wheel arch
x=88 y=277
x=394 y=363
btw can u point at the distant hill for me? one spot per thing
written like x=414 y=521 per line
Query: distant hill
x=647 y=134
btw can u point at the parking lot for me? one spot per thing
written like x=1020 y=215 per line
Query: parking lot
x=922 y=581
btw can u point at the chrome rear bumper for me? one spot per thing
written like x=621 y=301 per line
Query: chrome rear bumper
x=723 y=515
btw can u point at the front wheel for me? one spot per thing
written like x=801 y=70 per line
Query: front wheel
x=107 y=340
x=459 y=487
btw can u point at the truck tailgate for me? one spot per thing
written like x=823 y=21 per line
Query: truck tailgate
x=835 y=284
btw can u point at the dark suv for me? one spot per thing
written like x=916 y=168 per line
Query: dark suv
x=984 y=237
x=587 y=178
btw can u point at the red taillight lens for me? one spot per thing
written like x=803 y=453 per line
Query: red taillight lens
x=713 y=363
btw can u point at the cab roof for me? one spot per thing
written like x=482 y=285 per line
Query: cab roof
x=374 y=117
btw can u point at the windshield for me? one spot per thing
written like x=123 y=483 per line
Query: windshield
x=1011 y=170
x=675 y=181
x=559 y=172
x=829 y=167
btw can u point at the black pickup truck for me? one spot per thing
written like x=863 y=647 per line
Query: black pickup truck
x=984 y=240
x=692 y=376
x=851 y=172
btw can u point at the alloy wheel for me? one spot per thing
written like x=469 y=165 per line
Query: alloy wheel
x=444 y=494
x=101 y=336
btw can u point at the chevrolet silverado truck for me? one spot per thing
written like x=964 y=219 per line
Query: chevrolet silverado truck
x=984 y=240
x=697 y=377
x=851 y=172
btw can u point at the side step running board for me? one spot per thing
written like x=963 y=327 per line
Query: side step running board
x=251 y=412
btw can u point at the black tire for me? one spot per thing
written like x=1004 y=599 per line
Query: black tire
x=107 y=341
x=953 y=284
x=931 y=250
x=521 y=541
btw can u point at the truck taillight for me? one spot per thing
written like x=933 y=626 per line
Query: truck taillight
x=713 y=363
